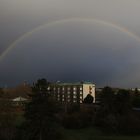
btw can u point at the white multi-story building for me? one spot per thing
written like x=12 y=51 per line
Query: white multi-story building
x=72 y=92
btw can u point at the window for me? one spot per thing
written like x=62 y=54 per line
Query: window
x=74 y=88
x=74 y=96
x=68 y=96
x=63 y=88
x=68 y=100
x=74 y=101
x=74 y=92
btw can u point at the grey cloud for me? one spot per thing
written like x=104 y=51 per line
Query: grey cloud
x=69 y=51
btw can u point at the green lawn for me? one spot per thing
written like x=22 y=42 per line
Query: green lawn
x=92 y=134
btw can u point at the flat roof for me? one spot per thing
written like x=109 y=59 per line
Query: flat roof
x=74 y=83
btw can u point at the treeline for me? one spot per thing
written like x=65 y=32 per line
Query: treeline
x=44 y=116
x=116 y=112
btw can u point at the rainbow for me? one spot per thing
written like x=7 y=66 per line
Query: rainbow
x=53 y=23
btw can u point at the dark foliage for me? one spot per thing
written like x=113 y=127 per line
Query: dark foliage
x=40 y=114
x=136 y=102
x=7 y=120
x=115 y=107
x=88 y=99
x=129 y=124
x=77 y=118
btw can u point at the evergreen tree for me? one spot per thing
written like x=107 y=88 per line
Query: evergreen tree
x=122 y=103
x=88 y=99
x=40 y=113
x=107 y=100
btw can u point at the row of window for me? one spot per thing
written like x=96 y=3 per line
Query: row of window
x=67 y=88
x=68 y=96
x=68 y=100
x=67 y=93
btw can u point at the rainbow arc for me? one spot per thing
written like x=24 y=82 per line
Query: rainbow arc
x=53 y=23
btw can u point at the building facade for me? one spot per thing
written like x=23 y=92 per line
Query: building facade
x=72 y=92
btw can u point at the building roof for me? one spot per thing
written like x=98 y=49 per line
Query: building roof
x=76 y=83
x=19 y=99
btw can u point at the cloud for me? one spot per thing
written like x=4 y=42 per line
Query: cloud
x=70 y=52
x=74 y=51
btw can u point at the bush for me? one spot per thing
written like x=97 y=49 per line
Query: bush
x=72 y=121
x=77 y=120
x=129 y=124
x=136 y=102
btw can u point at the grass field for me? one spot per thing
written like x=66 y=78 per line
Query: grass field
x=93 y=134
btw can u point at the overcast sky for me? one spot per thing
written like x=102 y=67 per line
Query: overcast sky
x=84 y=40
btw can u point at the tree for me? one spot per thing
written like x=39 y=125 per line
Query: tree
x=1 y=92
x=122 y=102
x=136 y=102
x=107 y=100
x=136 y=92
x=115 y=110
x=40 y=86
x=136 y=99
x=40 y=113
x=88 y=99
x=105 y=117
x=7 y=120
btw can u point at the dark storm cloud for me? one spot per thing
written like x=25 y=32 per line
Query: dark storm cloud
x=71 y=51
